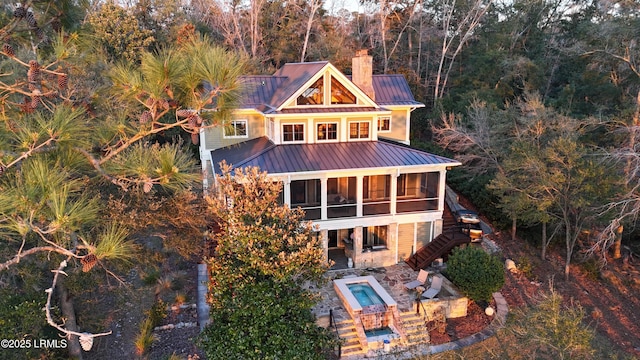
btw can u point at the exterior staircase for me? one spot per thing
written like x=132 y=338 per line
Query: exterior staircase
x=351 y=344
x=442 y=245
x=415 y=327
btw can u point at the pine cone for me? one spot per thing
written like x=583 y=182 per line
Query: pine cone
x=25 y=106
x=31 y=20
x=33 y=65
x=145 y=117
x=19 y=12
x=35 y=101
x=63 y=81
x=182 y=113
x=40 y=33
x=195 y=139
x=32 y=76
x=2 y=169
x=88 y=262
x=8 y=49
x=192 y=121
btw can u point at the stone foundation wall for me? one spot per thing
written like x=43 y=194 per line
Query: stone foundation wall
x=449 y=300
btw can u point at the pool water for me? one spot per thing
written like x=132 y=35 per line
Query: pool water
x=378 y=332
x=365 y=294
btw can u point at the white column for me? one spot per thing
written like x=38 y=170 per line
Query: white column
x=287 y=191
x=323 y=198
x=344 y=130
x=394 y=192
x=311 y=132
x=441 y=189
x=359 y=196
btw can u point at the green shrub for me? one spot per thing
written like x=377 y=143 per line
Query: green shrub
x=555 y=329
x=157 y=313
x=525 y=266
x=477 y=274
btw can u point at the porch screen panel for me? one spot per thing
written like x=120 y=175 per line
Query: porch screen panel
x=418 y=192
x=306 y=195
x=376 y=192
x=341 y=197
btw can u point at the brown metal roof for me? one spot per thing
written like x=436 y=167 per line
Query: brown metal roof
x=297 y=74
x=268 y=92
x=393 y=90
x=279 y=159
x=259 y=89
x=326 y=109
x=238 y=153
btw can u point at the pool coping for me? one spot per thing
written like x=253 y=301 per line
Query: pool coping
x=342 y=285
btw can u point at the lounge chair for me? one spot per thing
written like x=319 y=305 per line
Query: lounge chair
x=434 y=289
x=420 y=280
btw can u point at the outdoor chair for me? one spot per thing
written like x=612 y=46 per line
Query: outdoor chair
x=420 y=280
x=434 y=289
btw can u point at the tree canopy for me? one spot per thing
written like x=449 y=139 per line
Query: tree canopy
x=264 y=254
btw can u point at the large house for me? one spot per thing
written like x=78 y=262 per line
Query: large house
x=340 y=146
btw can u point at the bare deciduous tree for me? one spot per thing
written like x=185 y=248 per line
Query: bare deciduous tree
x=457 y=30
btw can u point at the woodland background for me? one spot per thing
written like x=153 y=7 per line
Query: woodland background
x=99 y=104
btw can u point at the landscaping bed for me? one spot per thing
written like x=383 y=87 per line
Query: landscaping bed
x=458 y=328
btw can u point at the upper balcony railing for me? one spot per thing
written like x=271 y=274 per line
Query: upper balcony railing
x=414 y=192
x=339 y=205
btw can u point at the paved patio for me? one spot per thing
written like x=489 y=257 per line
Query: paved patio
x=392 y=279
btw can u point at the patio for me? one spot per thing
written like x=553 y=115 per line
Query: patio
x=391 y=278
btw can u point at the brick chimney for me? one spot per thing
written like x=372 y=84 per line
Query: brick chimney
x=362 y=72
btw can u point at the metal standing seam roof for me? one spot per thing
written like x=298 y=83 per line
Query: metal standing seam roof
x=259 y=89
x=238 y=153
x=292 y=158
x=297 y=74
x=325 y=109
x=393 y=90
x=267 y=92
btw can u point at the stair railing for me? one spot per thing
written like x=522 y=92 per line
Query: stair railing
x=332 y=323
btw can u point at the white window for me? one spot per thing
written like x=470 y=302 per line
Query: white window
x=236 y=129
x=327 y=131
x=292 y=132
x=359 y=130
x=384 y=123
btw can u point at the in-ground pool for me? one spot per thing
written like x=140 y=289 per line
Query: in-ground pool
x=364 y=293
x=374 y=311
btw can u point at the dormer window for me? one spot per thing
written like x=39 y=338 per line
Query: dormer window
x=359 y=130
x=313 y=95
x=384 y=124
x=327 y=131
x=292 y=132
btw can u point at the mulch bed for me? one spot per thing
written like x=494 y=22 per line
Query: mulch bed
x=475 y=321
